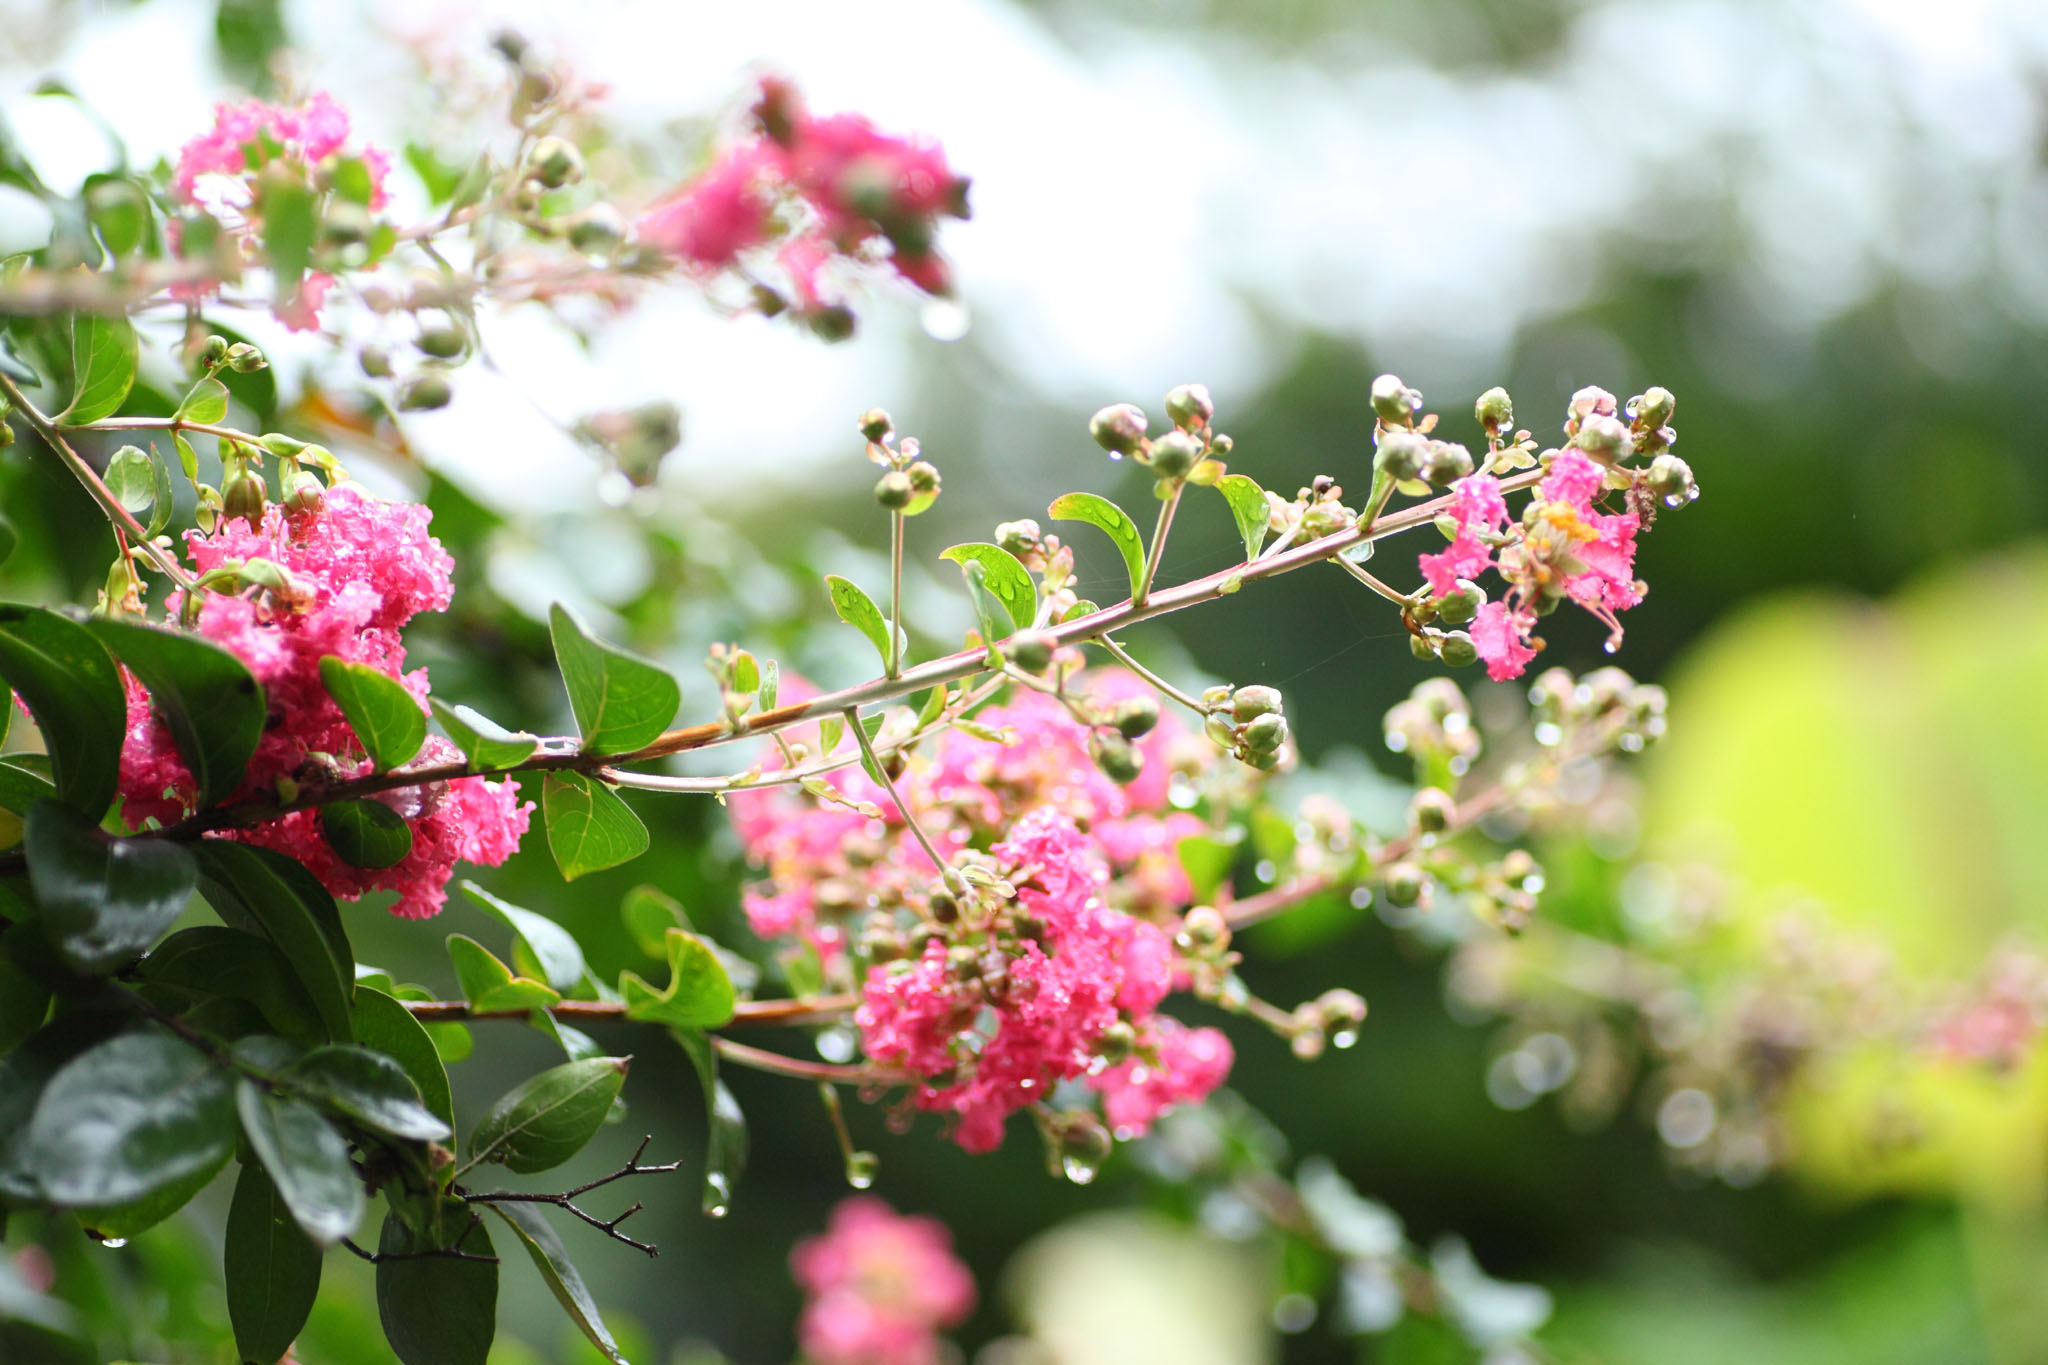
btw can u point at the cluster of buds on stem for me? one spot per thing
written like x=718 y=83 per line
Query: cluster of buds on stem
x=1190 y=451
x=910 y=483
x=1247 y=721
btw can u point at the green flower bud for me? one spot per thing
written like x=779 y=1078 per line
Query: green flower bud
x=243 y=496
x=1174 y=454
x=894 y=491
x=1421 y=647
x=924 y=476
x=442 y=340
x=245 y=359
x=1432 y=811
x=1116 y=1042
x=1604 y=438
x=875 y=425
x=346 y=223
x=598 y=229
x=1084 y=1144
x=1249 y=703
x=1394 y=402
x=1495 y=409
x=1670 y=478
x=1402 y=884
x=1457 y=607
x=1264 y=734
x=1653 y=407
x=1018 y=537
x=1448 y=461
x=213 y=351
x=1116 y=756
x=556 y=162
x=1221 y=445
x=1457 y=650
x=424 y=391
x=1324 y=518
x=375 y=362
x=1119 y=428
x=1189 y=406
x=1402 y=454
x=1135 y=717
x=1203 y=929
x=1031 y=650
x=832 y=323
x=303 y=493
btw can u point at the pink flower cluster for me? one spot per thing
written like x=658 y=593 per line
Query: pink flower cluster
x=880 y=1286
x=849 y=188
x=358 y=569
x=244 y=136
x=1564 y=547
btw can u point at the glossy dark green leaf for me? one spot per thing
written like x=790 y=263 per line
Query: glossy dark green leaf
x=482 y=741
x=139 y=1216
x=1103 y=513
x=74 y=692
x=103 y=354
x=212 y=704
x=554 y=950
x=438 y=1310
x=306 y=1158
x=126 y=1117
x=489 y=985
x=1007 y=578
x=21 y=788
x=271 y=1267
x=119 y=211
x=699 y=994
x=366 y=833
x=131 y=477
x=989 y=612
x=563 y=1280
x=370 y=1088
x=205 y=402
x=621 y=700
x=383 y=1024
x=24 y=998
x=379 y=709
x=213 y=960
x=725 y=1149
x=858 y=610
x=266 y=893
x=649 y=913
x=25 y=1070
x=589 y=827
x=104 y=900
x=9 y=538
x=544 y=1121
x=1248 y=506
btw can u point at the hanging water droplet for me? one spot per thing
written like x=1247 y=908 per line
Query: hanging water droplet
x=1344 y=1037
x=717 y=1194
x=113 y=1243
x=945 y=319
x=860 y=1169
x=836 y=1044
x=1080 y=1170
x=1548 y=733
x=1611 y=645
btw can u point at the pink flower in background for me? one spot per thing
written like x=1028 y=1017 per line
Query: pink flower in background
x=879 y=1287
x=720 y=214
x=359 y=569
x=306 y=134
x=302 y=314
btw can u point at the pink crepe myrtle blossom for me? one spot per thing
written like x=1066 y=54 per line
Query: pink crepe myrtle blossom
x=358 y=570
x=244 y=135
x=1501 y=635
x=1183 y=1066
x=1476 y=503
x=879 y=1287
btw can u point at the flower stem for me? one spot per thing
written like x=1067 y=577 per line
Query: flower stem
x=1157 y=550
x=1117 y=652
x=895 y=660
x=952 y=878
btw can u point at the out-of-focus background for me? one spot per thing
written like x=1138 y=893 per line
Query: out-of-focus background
x=1823 y=225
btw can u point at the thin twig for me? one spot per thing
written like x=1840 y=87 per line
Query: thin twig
x=565 y=1199
x=760 y=1059
x=1122 y=656
x=867 y=748
x=1156 y=551
x=747 y=1014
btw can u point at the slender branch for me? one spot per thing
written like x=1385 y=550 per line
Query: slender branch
x=867 y=748
x=1156 y=551
x=104 y=496
x=895 y=659
x=1117 y=652
x=566 y=1199
x=760 y=1059
x=1392 y=595
x=747 y=1014
x=166 y=424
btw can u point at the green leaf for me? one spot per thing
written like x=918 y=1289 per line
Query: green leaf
x=131 y=478
x=271 y=1268
x=9 y=538
x=104 y=900
x=103 y=354
x=205 y=402
x=543 y=1122
x=290 y=223
x=1248 y=505
x=576 y=1045
x=72 y=689
x=26 y=1071
x=307 y=1160
x=162 y=494
x=127 y=1117
x=699 y=995
x=379 y=709
x=621 y=700
x=482 y=741
x=989 y=611
x=934 y=706
x=384 y=1025
x=1007 y=578
x=188 y=458
x=212 y=704
x=649 y=913
x=553 y=949
x=438 y=1310
x=368 y=1087
x=725 y=1148
x=589 y=827
x=858 y=610
x=24 y=999
x=1102 y=512
x=366 y=833
x=213 y=960
x=771 y=672
x=133 y=1219
x=21 y=788
x=489 y=985
x=564 y=1281
x=266 y=893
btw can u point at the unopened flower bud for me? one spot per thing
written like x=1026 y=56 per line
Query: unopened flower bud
x=1341 y=1009
x=1457 y=649
x=277 y=443
x=831 y=323
x=1394 y=402
x=1118 y=758
x=1031 y=650
x=375 y=362
x=1324 y=518
x=1402 y=884
x=303 y=493
x=1591 y=401
x=944 y=905
x=923 y=476
x=1116 y=1042
x=346 y=223
x=1118 y=428
x=442 y=340
x=1306 y=1039
x=1517 y=866
x=213 y=351
x=1247 y=703
x=1221 y=445
x=1448 y=461
x=893 y=490
x=1264 y=734
x=424 y=391
x=556 y=162
x=1189 y=407
x=1495 y=409
x=1018 y=537
x=1461 y=604
x=1421 y=646
x=1174 y=454
x=1402 y=454
x=598 y=229
x=875 y=425
x=243 y=496
x=1432 y=810
x=1205 y=929
x=1606 y=439
x=1135 y=717
x=1670 y=478
x=1084 y=1143
x=1653 y=407
x=245 y=359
